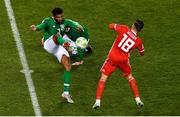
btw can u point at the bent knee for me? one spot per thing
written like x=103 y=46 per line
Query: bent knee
x=66 y=62
x=103 y=77
x=129 y=77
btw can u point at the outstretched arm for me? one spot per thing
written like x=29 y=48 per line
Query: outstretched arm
x=38 y=27
x=74 y=24
x=112 y=26
x=33 y=27
x=115 y=27
x=78 y=63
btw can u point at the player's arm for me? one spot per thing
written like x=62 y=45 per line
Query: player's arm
x=85 y=33
x=114 y=26
x=74 y=24
x=78 y=63
x=141 y=49
x=39 y=26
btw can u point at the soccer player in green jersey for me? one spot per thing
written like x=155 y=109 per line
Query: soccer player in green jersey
x=53 y=42
x=71 y=35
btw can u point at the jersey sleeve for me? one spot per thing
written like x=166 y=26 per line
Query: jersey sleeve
x=42 y=25
x=140 y=48
x=85 y=33
x=72 y=24
x=115 y=27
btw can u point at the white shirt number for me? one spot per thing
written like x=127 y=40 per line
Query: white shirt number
x=126 y=43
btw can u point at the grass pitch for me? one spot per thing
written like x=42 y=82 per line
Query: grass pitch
x=157 y=73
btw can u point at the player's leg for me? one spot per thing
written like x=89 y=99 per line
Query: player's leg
x=99 y=91
x=64 y=59
x=134 y=88
x=106 y=70
x=126 y=69
x=50 y=46
x=67 y=78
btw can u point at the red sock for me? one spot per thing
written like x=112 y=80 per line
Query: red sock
x=100 y=89
x=133 y=86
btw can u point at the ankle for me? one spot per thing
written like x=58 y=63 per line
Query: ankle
x=66 y=92
x=137 y=99
x=98 y=100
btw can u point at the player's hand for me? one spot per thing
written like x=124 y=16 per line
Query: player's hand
x=80 y=28
x=78 y=63
x=67 y=29
x=66 y=45
x=141 y=53
x=111 y=26
x=42 y=41
x=33 y=27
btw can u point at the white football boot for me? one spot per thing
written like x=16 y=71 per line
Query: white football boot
x=139 y=102
x=68 y=97
x=97 y=104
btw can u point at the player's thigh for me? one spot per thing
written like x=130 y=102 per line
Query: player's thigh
x=125 y=67
x=60 y=52
x=108 y=68
x=50 y=46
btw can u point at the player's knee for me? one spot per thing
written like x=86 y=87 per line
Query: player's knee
x=129 y=77
x=67 y=67
x=103 y=77
x=66 y=62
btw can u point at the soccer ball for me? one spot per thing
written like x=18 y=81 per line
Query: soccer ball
x=81 y=42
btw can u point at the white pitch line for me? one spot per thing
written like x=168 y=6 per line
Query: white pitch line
x=22 y=56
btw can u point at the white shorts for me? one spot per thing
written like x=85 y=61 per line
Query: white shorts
x=56 y=50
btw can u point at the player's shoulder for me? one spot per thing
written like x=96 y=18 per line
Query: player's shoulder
x=67 y=20
x=47 y=19
x=124 y=27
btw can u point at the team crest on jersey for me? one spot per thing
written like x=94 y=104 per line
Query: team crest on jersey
x=62 y=27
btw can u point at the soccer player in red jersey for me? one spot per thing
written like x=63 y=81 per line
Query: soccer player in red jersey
x=118 y=57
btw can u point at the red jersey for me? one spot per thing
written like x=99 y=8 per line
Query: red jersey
x=125 y=42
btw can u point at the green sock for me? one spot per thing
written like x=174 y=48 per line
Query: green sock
x=67 y=78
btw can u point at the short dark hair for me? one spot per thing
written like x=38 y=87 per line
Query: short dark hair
x=57 y=11
x=139 y=24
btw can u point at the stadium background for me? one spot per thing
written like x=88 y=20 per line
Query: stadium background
x=157 y=73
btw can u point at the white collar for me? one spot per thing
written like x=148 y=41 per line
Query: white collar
x=133 y=32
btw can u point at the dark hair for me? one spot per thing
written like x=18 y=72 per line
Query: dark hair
x=57 y=11
x=138 y=25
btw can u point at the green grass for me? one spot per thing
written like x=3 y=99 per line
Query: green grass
x=157 y=73
x=14 y=96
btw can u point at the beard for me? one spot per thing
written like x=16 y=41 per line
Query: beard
x=58 y=22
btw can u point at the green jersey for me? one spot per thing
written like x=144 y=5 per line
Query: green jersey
x=51 y=27
x=73 y=33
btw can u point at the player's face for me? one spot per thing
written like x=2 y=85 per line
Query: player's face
x=59 y=18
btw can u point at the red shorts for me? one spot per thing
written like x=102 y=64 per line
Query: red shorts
x=109 y=67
